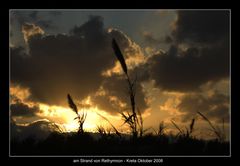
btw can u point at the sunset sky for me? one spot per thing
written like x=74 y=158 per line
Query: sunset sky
x=181 y=60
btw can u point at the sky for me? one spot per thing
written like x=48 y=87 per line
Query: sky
x=181 y=60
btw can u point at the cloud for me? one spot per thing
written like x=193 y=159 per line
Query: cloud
x=18 y=93
x=19 y=18
x=152 y=40
x=83 y=64
x=191 y=69
x=132 y=52
x=198 y=55
x=202 y=26
x=30 y=30
x=199 y=52
x=73 y=63
x=21 y=109
x=92 y=29
x=61 y=64
x=115 y=95
x=46 y=24
x=215 y=106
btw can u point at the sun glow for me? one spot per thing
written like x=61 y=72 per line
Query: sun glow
x=65 y=117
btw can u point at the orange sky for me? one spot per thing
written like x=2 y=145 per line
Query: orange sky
x=161 y=47
x=156 y=113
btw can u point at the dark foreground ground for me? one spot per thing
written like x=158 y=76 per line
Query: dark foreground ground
x=85 y=144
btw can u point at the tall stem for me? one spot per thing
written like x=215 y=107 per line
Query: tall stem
x=132 y=99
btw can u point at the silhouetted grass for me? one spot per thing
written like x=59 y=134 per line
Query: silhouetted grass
x=80 y=117
x=133 y=118
x=216 y=130
x=111 y=144
x=187 y=132
x=116 y=143
x=115 y=129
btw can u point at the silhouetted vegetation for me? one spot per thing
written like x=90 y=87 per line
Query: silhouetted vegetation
x=187 y=132
x=112 y=142
x=80 y=117
x=106 y=143
x=216 y=130
x=133 y=119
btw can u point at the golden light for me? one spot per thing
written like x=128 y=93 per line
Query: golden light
x=19 y=92
x=65 y=117
x=30 y=30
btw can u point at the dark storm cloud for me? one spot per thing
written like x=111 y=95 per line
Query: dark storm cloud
x=22 y=109
x=215 y=107
x=62 y=64
x=93 y=30
x=202 y=26
x=199 y=52
x=189 y=71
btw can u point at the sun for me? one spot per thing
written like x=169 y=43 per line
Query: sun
x=65 y=118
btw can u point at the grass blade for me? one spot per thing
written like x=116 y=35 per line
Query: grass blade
x=206 y=119
x=177 y=126
x=119 y=55
x=218 y=134
x=110 y=124
x=192 y=125
x=71 y=104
